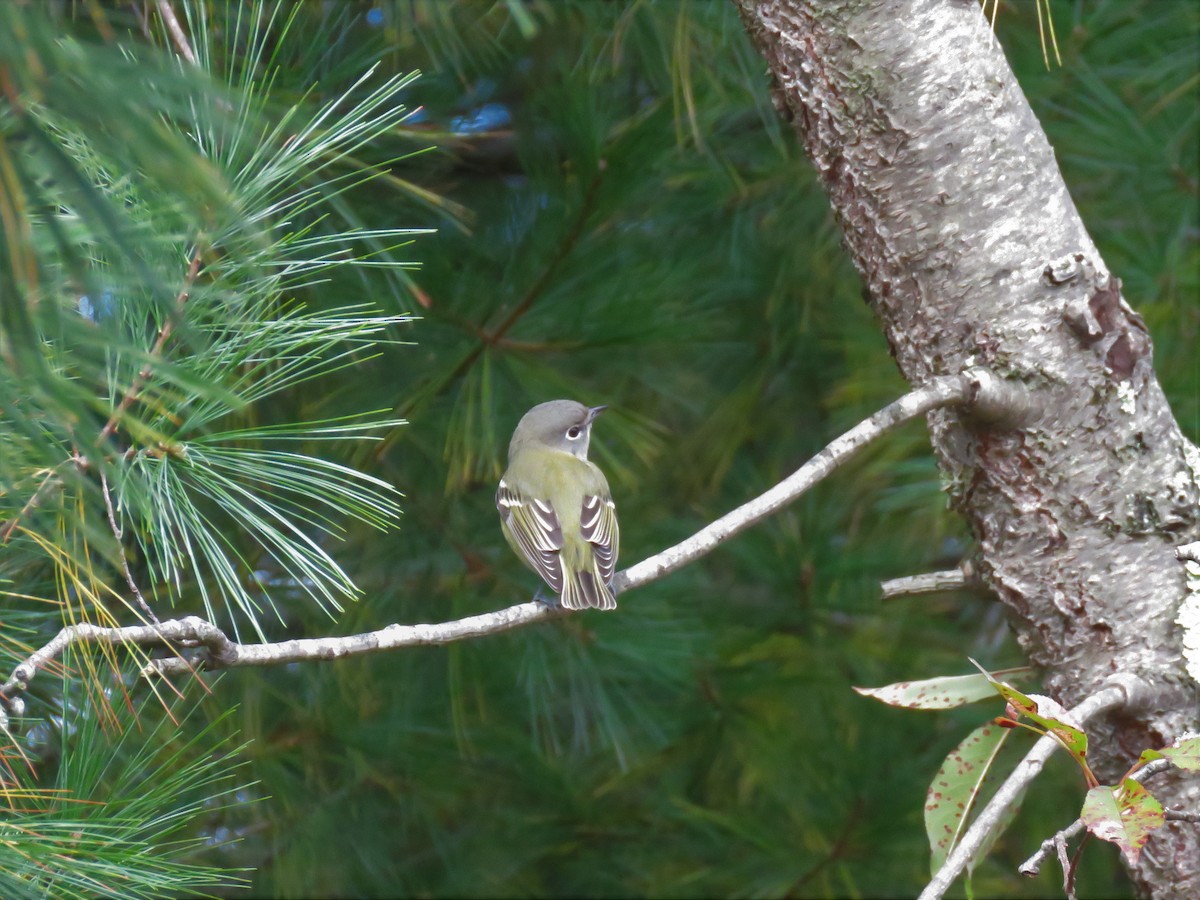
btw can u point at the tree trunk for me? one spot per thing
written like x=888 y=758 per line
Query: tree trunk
x=957 y=216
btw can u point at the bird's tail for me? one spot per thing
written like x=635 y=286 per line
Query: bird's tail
x=586 y=590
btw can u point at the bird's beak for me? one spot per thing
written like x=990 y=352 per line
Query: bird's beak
x=593 y=412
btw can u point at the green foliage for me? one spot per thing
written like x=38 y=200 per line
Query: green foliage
x=154 y=345
x=130 y=785
x=960 y=789
x=645 y=234
x=1184 y=754
x=159 y=230
x=946 y=692
x=1126 y=816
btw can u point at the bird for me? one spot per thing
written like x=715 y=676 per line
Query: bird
x=556 y=510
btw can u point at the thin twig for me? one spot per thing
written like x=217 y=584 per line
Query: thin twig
x=11 y=525
x=33 y=502
x=141 y=12
x=565 y=247
x=930 y=582
x=1033 y=865
x=835 y=853
x=947 y=390
x=219 y=652
x=1068 y=866
x=191 y=631
x=178 y=37
x=164 y=333
x=116 y=530
x=1117 y=693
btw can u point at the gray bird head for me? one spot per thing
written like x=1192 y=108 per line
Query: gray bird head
x=559 y=424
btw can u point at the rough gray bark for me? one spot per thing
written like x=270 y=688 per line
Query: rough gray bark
x=957 y=216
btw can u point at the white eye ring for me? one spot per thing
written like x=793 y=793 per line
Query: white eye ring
x=574 y=432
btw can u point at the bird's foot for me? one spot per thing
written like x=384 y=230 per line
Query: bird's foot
x=551 y=601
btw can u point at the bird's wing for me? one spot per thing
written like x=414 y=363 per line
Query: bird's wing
x=598 y=526
x=533 y=529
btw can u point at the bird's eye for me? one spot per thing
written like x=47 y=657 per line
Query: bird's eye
x=574 y=432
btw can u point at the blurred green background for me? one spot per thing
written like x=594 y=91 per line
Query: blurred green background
x=641 y=231
x=622 y=219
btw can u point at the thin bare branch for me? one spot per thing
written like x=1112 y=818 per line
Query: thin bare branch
x=946 y=391
x=931 y=582
x=214 y=650
x=175 y=634
x=1189 y=551
x=1053 y=844
x=178 y=37
x=116 y=530
x=51 y=478
x=1118 y=693
x=1033 y=865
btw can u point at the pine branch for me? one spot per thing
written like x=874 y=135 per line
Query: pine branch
x=198 y=644
x=164 y=333
x=178 y=37
x=985 y=395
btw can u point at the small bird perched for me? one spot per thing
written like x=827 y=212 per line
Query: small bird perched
x=555 y=507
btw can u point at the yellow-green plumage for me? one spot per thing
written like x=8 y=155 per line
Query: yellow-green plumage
x=555 y=508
